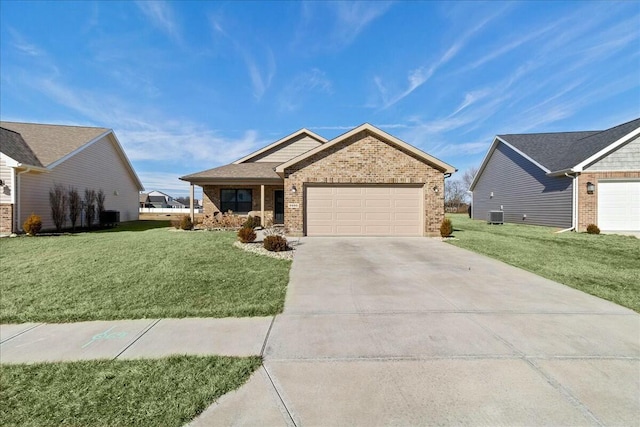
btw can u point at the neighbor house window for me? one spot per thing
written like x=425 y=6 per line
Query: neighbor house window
x=236 y=200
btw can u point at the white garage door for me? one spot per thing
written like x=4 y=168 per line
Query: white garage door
x=364 y=211
x=619 y=205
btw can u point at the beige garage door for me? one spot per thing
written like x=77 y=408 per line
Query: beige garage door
x=364 y=211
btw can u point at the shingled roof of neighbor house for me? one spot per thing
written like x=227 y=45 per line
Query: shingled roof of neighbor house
x=240 y=171
x=13 y=145
x=563 y=150
x=50 y=143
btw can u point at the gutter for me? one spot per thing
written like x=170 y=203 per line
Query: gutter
x=574 y=203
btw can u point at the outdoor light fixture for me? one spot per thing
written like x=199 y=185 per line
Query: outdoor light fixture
x=435 y=188
x=293 y=189
x=591 y=187
x=1 y=182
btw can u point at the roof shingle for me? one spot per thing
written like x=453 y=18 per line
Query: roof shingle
x=50 y=143
x=564 y=150
x=240 y=171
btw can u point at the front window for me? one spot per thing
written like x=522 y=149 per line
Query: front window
x=236 y=200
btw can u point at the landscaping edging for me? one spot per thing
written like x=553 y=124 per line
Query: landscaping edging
x=258 y=249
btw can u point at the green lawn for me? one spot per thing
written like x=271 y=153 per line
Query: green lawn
x=136 y=271
x=161 y=392
x=607 y=266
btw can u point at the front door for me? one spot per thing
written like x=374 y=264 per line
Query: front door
x=278 y=217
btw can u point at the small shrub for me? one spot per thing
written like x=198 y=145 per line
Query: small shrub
x=446 y=228
x=252 y=222
x=75 y=206
x=32 y=225
x=185 y=223
x=275 y=243
x=246 y=235
x=593 y=229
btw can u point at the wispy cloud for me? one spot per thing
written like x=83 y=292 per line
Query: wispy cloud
x=333 y=26
x=260 y=76
x=153 y=138
x=21 y=44
x=162 y=16
x=301 y=87
x=353 y=18
x=260 y=70
x=418 y=76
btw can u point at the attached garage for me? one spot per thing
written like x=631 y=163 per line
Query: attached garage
x=619 y=205
x=371 y=210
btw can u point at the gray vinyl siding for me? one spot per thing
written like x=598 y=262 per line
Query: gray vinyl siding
x=625 y=158
x=520 y=188
x=288 y=151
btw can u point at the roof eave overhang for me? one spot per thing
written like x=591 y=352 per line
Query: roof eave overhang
x=232 y=181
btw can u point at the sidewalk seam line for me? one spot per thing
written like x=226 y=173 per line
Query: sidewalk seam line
x=22 y=332
x=266 y=337
x=284 y=405
x=144 y=332
x=564 y=391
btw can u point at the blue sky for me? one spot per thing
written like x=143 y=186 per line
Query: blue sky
x=192 y=85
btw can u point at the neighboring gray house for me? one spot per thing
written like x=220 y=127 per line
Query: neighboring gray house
x=565 y=179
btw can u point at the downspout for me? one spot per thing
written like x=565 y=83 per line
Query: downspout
x=18 y=197
x=574 y=203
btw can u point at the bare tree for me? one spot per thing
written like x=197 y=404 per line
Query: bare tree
x=58 y=202
x=89 y=206
x=75 y=206
x=100 y=198
x=454 y=195
x=468 y=175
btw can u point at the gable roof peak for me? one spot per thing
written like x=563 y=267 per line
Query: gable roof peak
x=282 y=141
x=446 y=168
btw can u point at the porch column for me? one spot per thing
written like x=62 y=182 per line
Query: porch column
x=262 y=205
x=191 y=194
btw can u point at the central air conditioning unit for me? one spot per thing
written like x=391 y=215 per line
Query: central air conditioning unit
x=496 y=217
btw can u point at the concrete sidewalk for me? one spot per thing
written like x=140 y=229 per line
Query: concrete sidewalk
x=130 y=339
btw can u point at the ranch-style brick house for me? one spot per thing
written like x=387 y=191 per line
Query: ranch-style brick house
x=34 y=157
x=363 y=182
x=563 y=179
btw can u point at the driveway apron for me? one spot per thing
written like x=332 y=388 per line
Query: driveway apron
x=413 y=331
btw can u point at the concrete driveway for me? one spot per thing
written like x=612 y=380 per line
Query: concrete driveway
x=418 y=332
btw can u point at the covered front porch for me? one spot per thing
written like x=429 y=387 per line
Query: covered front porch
x=242 y=189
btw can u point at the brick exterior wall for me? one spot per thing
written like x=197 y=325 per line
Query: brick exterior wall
x=6 y=218
x=363 y=159
x=588 y=203
x=211 y=198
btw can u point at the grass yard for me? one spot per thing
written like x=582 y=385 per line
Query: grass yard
x=607 y=266
x=136 y=271
x=161 y=392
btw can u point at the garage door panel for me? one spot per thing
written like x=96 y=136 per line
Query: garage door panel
x=406 y=203
x=377 y=191
x=412 y=217
x=378 y=203
x=347 y=191
x=348 y=216
x=378 y=216
x=367 y=210
x=348 y=203
x=619 y=205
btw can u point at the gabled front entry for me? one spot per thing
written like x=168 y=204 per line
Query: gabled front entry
x=278 y=214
